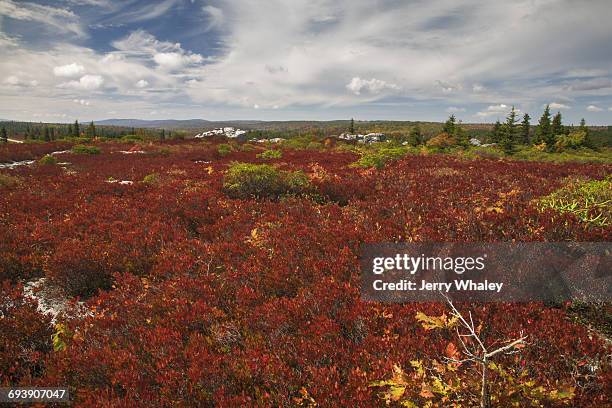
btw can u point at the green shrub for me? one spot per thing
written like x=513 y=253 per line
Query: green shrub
x=151 y=179
x=378 y=157
x=84 y=149
x=270 y=154
x=132 y=138
x=224 y=149
x=9 y=181
x=47 y=159
x=243 y=180
x=572 y=141
x=590 y=201
x=442 y=141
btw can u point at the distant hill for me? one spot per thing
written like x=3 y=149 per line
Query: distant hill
x=168 y=124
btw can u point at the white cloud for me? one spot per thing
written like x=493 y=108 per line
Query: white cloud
x=373 y=86
x=85 y=83
x=496 y=110
x=176 y=60
x=82 y=102
x=215 y=16
x=143 y=83
x=12 y=80
x=477 y=88
x=610 y=108
x=594 y=108
x=558 y=106
x=69 y=70
x=586 y=73
x=589 y=84
x=60 y=19
x=256 y=106
x=454 y=109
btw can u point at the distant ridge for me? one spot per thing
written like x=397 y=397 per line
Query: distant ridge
x=140 y=123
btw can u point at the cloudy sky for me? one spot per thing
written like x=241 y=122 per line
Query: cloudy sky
x=304 y=59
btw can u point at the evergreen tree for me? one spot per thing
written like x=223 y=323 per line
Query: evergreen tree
x=52 y=133
x=544 y=131
x=461 y=135
x=70 y=131
x=508 y=134
x=162 y=137
x=449 y=125
x=557 y=127
x=76 y=132
x=3 y=135
x=415 y=137
x=587 y=134
x=47 y=134
x=91 y=130
x=525 y=126
x=352 y=127
x=496 y=133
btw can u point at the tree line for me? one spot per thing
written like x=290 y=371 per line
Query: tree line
x=53 y=131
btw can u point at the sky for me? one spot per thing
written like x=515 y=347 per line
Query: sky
x=305 y=59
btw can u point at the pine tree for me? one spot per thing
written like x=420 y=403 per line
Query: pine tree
x=461 y=135
x=557 y=127
x=416 y=136
x=525 y=126
x=508 y=133
x=47 y=134
x=449 y=125
x=544 y=131
x=91 y=130
x=162 y=137
x=587 y=134
x=3 y=135
x=52 y=133
x=75 y=129
x=496 y=133
x=352 y=127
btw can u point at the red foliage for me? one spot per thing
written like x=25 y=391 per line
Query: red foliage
x=25 y=337
x=216 y=301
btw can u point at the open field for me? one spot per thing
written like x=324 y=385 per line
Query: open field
x=204 y=287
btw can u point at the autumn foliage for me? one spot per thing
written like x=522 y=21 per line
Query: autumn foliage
x=206 y=294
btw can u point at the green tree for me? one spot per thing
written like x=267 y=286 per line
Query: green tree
x=587 y=134
x=52 y=133
x=91 y=130
x=449 y=125
x=162 y=136
x=496 y=134
x=47 y=134
x=415 y=136
x=352 y=127
x=544 y=131
x=508 y=134
x=76 y=132
x=557 y=126
x=525 y=126
x=3 y=135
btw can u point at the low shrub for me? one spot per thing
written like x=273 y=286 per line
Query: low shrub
x=590 y=201
x=244 y=180
x=151 y=179
x=380 y=156
x=270 y=154
x=224 y=149
x=441 y=141
x=572 y=141
x=84 y=149
x=47 y=159
x=9 y=181
x=26 y=337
